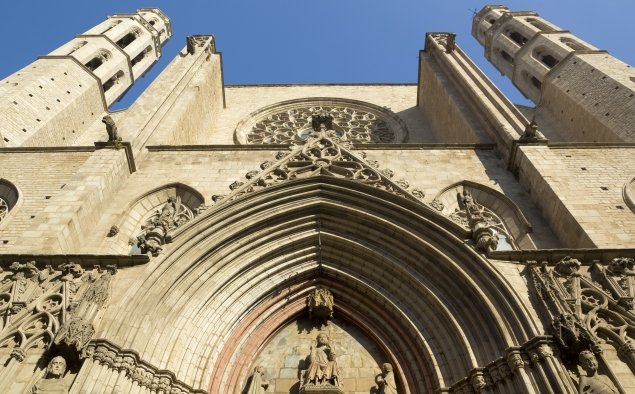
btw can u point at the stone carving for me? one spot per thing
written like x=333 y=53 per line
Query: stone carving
x=236 y=185
x=139 y=371
x=320 y=304
x=199 y=41
x=593 y=382
x=320 y=156
x=111 y=128
x=53 y=382
x=438 y=205
x=386 y=381
x=323 y=372
x=257 y=384
x=586 y=311
x=155 y=230
x=294 y=125
x=618 y=277
x=446 y=40
x=485 y=225
x=532 y=134
x=478 y=381
x=76 y=332
x=4 y=209
x=114 y=230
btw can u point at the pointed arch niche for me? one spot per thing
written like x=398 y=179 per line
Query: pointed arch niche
x=147 y=205
x=9 y=200
x=238 y=275
x=499 y=208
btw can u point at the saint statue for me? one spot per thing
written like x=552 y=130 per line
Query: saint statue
x=386 y=381
x=593 y=382
x=257 y=384
x=322 y=365
x=53 y=382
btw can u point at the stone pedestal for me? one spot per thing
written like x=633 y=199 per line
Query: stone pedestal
x=320 y=389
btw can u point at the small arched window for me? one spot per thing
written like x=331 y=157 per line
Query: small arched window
x=153 y=21
x=517 y=37
x=128 y=38
x=8 y=198
x=100 y=58
x=507 y=56
x=113 y=80
x=543 y=55
x=141 y=56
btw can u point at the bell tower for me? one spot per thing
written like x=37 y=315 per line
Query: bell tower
x=575 y=86
x=57 y=97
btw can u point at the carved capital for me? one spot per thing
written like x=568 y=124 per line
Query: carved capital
x=515 y=360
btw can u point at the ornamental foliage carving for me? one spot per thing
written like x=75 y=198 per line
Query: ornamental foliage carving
x=321 y=155
x=42 y=305
x=588 y=309
x=291 y=122
x=155 y=230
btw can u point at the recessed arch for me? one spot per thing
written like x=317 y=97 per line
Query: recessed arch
x=144 y=205
x=511 y=215
x=10 y=200
x=396 y=266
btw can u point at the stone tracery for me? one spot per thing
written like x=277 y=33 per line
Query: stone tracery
x=353 y=121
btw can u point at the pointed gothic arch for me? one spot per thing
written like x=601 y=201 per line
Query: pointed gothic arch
x=511 y=216
x=395 y=266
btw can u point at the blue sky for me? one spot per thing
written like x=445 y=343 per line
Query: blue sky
x=301 y=41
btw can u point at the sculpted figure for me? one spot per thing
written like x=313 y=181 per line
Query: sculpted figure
x=593 y=382
x=257 y=383
x=322 y=365
x=386 y=381
x=53 y=382
x=111 y=128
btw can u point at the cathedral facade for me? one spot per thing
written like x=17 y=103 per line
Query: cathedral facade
x=318 y=238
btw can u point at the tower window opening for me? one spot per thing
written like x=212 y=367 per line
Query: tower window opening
x=153 y=21
x=534 y=81
x=141 y=55
x=99 y=59
x=546 y=59
x=113 y=80
x=127 y=39
x=507 y=56
x=518 y=38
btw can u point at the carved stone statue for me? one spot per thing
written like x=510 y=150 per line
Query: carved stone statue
x=172 y=215
x=386 y=381
x=53 y=382
x=532 y=134
x=593 y=382
x=111 y=128
x=323 y=369
x=320 y=304
x=257 y=384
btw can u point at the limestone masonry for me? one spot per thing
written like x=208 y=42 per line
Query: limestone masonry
x=335 y=238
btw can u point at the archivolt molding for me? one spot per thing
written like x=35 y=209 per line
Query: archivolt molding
x=234 y=273
x=289 y=122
